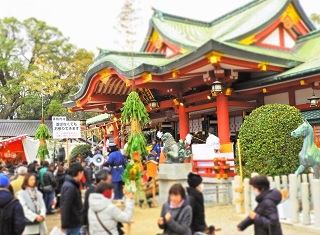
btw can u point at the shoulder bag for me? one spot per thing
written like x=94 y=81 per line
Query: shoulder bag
x=104 y=227
x=47 y=188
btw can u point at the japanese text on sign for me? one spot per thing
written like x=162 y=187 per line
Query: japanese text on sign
x=66 y=129
x=59 y=118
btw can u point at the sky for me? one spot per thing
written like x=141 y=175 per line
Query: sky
x=91 y=24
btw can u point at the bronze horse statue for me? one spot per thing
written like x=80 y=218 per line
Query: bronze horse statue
x=309 y=155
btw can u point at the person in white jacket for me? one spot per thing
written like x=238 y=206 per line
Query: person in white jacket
x=103 y=215
x=33 y=206
x=213 y=141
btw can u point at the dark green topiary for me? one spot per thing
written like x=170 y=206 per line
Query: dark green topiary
x=266 y=143
x=83 y=149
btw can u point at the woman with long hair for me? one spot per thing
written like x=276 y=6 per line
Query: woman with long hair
x=176 y=213
x=33 y=206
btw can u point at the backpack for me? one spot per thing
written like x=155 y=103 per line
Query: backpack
x=2 y=212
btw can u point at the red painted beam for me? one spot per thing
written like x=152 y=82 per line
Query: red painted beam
x=306 y=106
x=248 y=64
x=302 y=28
x=263 y=34
x=201 y=107
x=195 y=82
x=189 y=68
x=242 y=104
x=201 y=96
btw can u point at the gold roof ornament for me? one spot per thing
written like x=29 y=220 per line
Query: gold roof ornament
x=214 y=57
x=263 y=65
x=147 y=77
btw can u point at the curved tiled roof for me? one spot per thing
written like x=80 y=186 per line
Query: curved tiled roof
x=138 y=63
x=240 y=23
x=10 y=128
x=220 y=35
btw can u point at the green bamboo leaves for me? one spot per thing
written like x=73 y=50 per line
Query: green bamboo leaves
x=134 y=109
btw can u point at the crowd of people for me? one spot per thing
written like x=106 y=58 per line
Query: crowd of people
x=27 y=196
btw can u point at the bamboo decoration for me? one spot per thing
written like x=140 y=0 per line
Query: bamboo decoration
x=134 y=112
x=42 y=134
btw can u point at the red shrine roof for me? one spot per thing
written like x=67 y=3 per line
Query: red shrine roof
x=239 y=47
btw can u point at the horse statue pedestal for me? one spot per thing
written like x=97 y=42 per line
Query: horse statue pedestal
x=170 y=174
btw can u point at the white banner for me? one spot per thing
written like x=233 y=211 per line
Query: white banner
x=66 y=129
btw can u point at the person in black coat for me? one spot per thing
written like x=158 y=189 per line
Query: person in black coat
x=49 y=180
x=265 y=216
x=60 y=176
x=70 y=200
x=197 y=204
x=12 y=220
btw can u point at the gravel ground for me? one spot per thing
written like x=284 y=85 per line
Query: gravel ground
x=145 y=222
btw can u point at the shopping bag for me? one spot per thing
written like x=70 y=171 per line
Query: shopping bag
x=56 y=231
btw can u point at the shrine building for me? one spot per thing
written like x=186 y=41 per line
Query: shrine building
x=193 y=75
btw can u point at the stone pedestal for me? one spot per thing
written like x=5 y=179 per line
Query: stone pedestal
x=217 y=191
x=170 y=174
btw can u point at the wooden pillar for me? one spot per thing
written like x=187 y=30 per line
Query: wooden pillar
x=183 y=122
x=292 y=98
x=223 y=119
x=116 y=134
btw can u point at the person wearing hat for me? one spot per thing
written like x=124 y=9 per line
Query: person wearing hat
x=12 y=220
x=117 y=163
x=196 y=200
x=213 y=141
x=16 y=184
x=156 y=148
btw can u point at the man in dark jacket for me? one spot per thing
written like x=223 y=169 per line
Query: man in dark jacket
x=265 y=216
x=87 y=172
x=70 y=201
x=101 y=176
x=49 y=185
x=196 y=201
x=12 y=220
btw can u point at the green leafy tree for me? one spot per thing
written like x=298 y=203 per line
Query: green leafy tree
x=266 y=143
x=129 y=21
x=37 y=62
x=82 y=149
x=315 y=18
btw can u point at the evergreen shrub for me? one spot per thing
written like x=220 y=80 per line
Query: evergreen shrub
x=266 y=143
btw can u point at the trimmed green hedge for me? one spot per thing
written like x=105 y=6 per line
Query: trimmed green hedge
x=81 y=148
x=266 y=143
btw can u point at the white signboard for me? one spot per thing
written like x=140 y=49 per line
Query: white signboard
x=66 y=129
x=59 y=118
